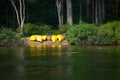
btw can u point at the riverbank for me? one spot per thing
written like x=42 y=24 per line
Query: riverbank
x=28 y=42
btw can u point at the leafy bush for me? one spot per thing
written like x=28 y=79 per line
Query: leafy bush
x=71 y=35
x=117 y=34
x=30 y=29
x=117 y=31
x=9 y=37
x=85 y=33
x=109 y=33
x=82 y=33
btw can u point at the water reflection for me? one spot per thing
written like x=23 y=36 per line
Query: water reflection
x=11 y=67
x=44 y=50
x=20 y=58
x=57 y=62
x=49 y=73
x=51 y=62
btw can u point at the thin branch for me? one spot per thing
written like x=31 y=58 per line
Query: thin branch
x=23 y=10
x=16 y=12
x=20 y=10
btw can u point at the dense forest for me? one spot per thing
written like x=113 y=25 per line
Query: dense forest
x=94 y=22
x=46 y=11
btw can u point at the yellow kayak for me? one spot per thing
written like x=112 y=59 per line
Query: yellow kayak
x=60 y=37
x=39 y=38
x=54 y=38
x=44 y=37
x=33 y=37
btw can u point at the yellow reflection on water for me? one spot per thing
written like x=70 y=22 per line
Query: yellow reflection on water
x=45 y=50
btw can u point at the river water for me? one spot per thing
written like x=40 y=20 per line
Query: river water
x=60 y=63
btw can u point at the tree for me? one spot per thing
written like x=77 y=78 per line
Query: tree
x=69 y=12
x=80 y=10
x=93 y=10
x=96 y=12
x=99 y=11
x=6 y=13
x=117 y=8
x=88 y=10
x=103 y=11
x=59 y=4
x=20 y=13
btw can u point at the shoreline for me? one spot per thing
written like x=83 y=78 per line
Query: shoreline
x=28 y=42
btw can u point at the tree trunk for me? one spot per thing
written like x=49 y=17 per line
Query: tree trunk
x=88 y=10
x=6 y=14
x=62 y=19
x=96 y=12
x=117 y=8
x=59 y=4
x=17 y=13
x=69 y=12
x=100 y=12
x=80 y=11
x=103 y=11
x=93 y=11
x=20 y=14
x=21 y=27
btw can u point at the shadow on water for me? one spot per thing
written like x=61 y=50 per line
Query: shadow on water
x=57 y=62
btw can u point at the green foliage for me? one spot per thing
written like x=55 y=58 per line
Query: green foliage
x=71 y=35
x=30 y=29
x=64 y=28
x=82 y=33
x=117 y=34
x=109 y=33
x=85 y=33
x=9 y=37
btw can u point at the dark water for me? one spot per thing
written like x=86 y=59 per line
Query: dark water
x=60 y=63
